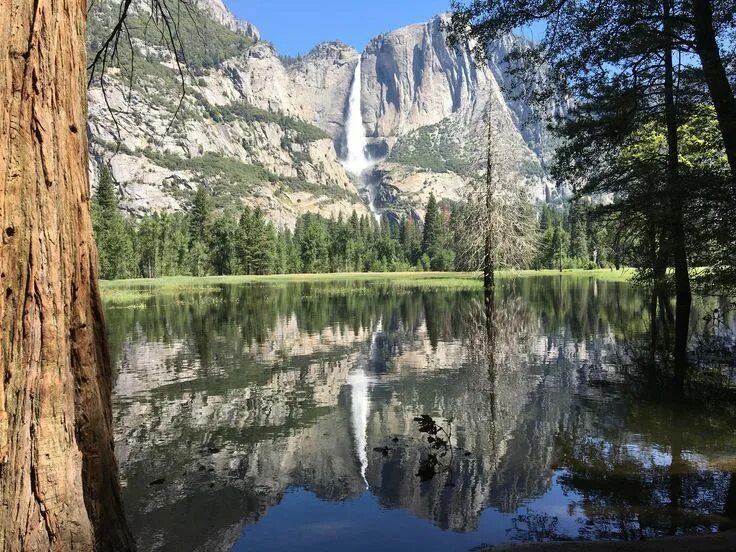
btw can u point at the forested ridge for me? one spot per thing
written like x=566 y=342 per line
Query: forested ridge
x=205 y=241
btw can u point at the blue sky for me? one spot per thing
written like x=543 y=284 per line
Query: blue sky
x=295 y=26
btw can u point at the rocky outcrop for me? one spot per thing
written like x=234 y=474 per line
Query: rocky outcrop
x=429 y=101
x=241 y=131
x=412 y=78
x=263 y=130
x=322 y=79
x=216 y=10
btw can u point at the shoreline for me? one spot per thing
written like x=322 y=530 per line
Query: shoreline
x=623 y=275
x=714 y=542
x=134 y=291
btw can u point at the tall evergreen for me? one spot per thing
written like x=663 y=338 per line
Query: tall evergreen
x=312 y=238
x=559 y=247
x=410 y=238
x=431 y=236
x=199 y=215
x=112 y=232
x=578 y=224
x=199 y=221
x=223 y=246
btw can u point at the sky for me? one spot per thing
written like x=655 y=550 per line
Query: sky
x=296 y=26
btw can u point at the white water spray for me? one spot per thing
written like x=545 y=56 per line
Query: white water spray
x=356 y=161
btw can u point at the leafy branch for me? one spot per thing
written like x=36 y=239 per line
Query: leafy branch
x=439 y=440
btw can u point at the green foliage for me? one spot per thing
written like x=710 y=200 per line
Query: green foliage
x=312 y=237
x=443 y=260
x=162 y=245
x=430 y=147
x=642 y=131
x=410 y=238
x=259 y=250
x=578 y=224
x=573 y=237
x=208 y=43
x=298 y=130
x=432 y=235
x=112 y=232
x=224 y=241
x=203 y=241
x=199 y=215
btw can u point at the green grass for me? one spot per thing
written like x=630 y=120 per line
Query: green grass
x=131 y=294
x=138 y=290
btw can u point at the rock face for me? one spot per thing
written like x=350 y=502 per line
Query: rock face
x=322 y=79
x=216 y=10
x=259 y=129
x=429 y=102
x=412 y=79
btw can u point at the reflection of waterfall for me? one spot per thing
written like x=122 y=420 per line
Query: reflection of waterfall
x=360 y=406
x=357 y=161
x=360 y=410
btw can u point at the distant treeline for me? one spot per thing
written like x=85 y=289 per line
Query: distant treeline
x=204 y=242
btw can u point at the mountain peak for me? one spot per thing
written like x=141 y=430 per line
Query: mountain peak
x=217 y=10
x=332 y=50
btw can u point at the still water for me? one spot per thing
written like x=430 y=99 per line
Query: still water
x=281 y=417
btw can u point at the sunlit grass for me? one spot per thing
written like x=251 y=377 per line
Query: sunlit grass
x=132 y=294
x=138 y=291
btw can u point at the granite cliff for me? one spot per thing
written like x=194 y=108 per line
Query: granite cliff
x=257 y=128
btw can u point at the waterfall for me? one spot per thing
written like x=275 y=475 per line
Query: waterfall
x=356 y=161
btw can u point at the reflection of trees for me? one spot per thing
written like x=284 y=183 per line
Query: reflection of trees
x=692 y=362
x=640 y=477
x=256 y=373
x=530 y=526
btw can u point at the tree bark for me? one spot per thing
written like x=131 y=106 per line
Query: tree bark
x=489 y=280
x=58 y=474
x=716 y=78
x=676 y=197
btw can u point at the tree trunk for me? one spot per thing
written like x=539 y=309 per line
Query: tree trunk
x=729 y=506
x=676 y=198
x=716 y=78
x=489 y=280
x=58 y=474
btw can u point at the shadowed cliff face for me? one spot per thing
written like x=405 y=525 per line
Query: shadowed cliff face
x=236 y=401
x=412 y=78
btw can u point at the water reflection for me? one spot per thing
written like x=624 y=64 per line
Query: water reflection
x=252 y=400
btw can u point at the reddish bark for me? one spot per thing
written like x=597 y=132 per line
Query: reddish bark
x=58 y=475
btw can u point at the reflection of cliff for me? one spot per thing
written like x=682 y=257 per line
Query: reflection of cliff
x=224 y=404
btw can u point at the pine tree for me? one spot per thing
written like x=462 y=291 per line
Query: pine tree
x=223 y=246
x=559 y=247
x=199 y=222
x=199 y=215
x=432 y=228
x=411 y=240
x=578 y=224
x=312 y=238
x=112 y=232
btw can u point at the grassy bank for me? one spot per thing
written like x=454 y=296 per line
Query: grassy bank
x=131 y=291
